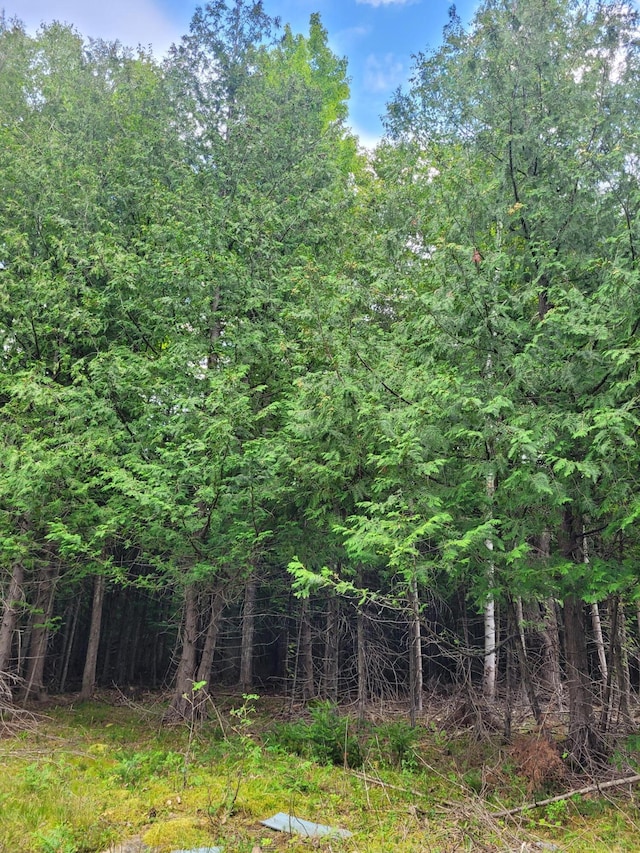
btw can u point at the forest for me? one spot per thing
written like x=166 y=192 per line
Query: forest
x=279 y=413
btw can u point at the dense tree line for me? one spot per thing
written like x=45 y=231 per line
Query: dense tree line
x=277 y=411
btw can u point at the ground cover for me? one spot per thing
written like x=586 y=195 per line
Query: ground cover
x=85 y=777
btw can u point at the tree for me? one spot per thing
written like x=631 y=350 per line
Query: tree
x=83 y=176
x=265 y=127
x=524 y=119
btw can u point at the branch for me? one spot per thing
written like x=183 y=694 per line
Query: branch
x=630 y=780
x=381 y=381
x=373 y=781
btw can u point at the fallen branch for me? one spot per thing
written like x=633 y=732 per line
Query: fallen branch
x=373 y=781
x=599 y=786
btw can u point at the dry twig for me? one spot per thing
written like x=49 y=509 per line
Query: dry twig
x=589 y=789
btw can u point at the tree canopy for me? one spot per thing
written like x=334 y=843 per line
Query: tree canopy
x=286 y=411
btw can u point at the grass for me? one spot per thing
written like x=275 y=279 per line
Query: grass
x=89 y=776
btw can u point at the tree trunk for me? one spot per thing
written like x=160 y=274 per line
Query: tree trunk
x=69 y=639
x=490 y=663
x=510 y=692
x=91 y=658
x=330 y=674
x=622 y=671
x=463 y=662
x=182 y=705
x=584 y=742
x=362 y=664
x=520 y=624
x=10 y=611
x=550 y=636
x=216 y=604
x=521 y=654
x=638 y=623
x=415 y=653
x=306 y=652
x=551 y=652
x=34 y=679
x=248 y=630
x=140 y=614
x=111 y=633
x=609 y=687
x=127 y=622
x=596 y=624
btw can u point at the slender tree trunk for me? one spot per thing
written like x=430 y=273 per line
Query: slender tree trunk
x=183 y=703
x=248 y=630
x=110 y=633
x=489 y=676
x=510 y=693
x=583 y=739
x=11 y=608
x=34 y=679
x=285 y=647
x=91 y=658
x=362 y=664
x=69 y=639
x=550 y=635
x=520 y=624
x=596 y=625
x=622 y=671
x=330 y=674
x=463 y=662
x=306 y=652
x=127 y=623
x=415 y=653
x=140 y=613
x=608 y=687
x=490 y=662
x=521 y=654
x=585 y=743
x=551 y=652
x=638 y=624
x=216 y=604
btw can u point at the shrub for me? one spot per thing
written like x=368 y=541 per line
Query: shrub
x=326 y=739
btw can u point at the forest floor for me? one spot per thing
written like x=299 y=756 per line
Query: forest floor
x=107 y=775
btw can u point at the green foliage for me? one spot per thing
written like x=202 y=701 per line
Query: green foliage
x=395 y=744
x=329 y=738
x=555 y=813
x=57 y=840
x=139 y=767
x=37 y=779
x=229 y=344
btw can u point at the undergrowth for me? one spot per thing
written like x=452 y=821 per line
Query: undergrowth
x=87 y=778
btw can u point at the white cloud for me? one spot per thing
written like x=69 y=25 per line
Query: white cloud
x=385 y=2
x=367 y=140
x=132 y=22
x=353 y=34
x=382 y=73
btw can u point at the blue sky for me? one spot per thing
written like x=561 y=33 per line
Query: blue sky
x=377 y=36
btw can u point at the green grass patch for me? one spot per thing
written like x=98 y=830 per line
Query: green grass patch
x=86 y=778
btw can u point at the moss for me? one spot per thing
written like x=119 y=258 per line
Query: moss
x=181 y=832
x=88 y=786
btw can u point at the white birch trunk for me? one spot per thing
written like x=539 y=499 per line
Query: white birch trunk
x=596 y=624
x=490 y=664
